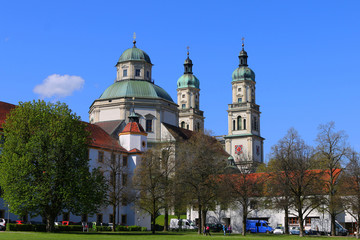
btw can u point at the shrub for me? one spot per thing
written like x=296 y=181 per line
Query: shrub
x=134 y=228
x=25 y=227
x=69 y=228
x=121 y=228
x=143 y=229
x=103 y=228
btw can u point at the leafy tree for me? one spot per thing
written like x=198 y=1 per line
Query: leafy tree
x=302 y=183
x=44 y=163
x=198 y=162
x=331 y=151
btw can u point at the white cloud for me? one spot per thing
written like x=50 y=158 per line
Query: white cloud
x=59 y=86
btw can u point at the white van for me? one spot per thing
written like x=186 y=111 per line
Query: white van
x=178 y=224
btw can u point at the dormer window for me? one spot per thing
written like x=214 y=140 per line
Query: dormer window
x=125 y=73
x=137 y=72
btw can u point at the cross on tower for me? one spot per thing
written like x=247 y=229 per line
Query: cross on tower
x=134 y=37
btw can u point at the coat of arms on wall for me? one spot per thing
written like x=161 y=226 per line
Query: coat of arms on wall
x=238 y=149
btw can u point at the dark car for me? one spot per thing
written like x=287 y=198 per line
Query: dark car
x=215 y=227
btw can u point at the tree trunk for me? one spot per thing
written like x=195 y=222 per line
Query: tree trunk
x=286 y=220
x=166 y=219
x=200 y=219
x=301 y=223
x=50 y=225
x=153 y=223
x=203 y=218
x=244 y=219
x=113 y=220
x=357 y=227
x=333 y=230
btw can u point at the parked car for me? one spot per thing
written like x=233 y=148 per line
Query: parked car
x=176 y=224
x=279 y=230
x=215 y=227
x=295 y=230
x=2 y=224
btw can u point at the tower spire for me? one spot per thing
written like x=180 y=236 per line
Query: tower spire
x=243 y=55
x=188 y=63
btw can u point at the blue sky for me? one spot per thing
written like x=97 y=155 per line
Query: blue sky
x=305 y=55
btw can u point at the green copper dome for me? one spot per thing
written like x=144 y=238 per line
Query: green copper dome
x=243 y=73
x=135 y=88
x=134 y=53
x=188 y=80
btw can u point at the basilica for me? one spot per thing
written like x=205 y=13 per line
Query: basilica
x=133 y=114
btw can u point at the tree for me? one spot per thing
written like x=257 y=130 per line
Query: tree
x=331 y=150
x=350 y=188
x=296 y=169
x=147 y=181
x=244 y=188
x=119 y=186
x=44 y=165
x=199 y=161
x=277 y=187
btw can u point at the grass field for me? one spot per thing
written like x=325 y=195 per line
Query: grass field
x=142 y=235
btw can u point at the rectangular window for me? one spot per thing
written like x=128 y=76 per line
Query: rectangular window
x=124 y=200
x=148 y=74
x=100 y=156
x=137 y=72
x=66 y=216
x=99 y=218
x=183 y=106
x=239 y=89
x=183 y=96
x=124 y=179
x=293 y=220
x=125 y=161
x=2 y=213
x=239 y=100
x=112 y=178
x=84 y=218
x=123 y=219
x=113 y=158
x=111 y=218
x=148 y=125
x=125 y=73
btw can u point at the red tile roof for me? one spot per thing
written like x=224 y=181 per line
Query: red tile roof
x=133 y=127
x=135 y=150
x=5 y=109
x=102 y=139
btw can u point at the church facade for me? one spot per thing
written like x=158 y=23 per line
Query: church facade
x=134 y=94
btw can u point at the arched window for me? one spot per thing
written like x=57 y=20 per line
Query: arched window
x=244 y=124
x=182 y=124
x=238 y=123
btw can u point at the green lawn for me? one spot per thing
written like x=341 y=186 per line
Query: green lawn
x=142 y=235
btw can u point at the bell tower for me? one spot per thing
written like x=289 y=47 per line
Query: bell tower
x=244 y=142
x=188 y=95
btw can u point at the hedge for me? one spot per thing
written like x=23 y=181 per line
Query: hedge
x=26 y=227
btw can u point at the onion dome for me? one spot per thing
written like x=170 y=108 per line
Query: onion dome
x=243 y=72
x=135 y=88
x=188 y=79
